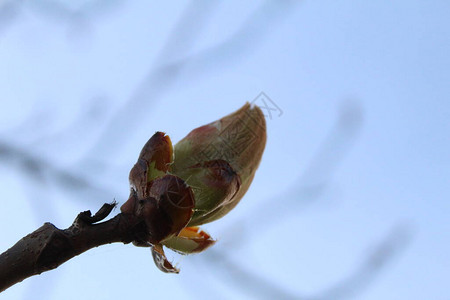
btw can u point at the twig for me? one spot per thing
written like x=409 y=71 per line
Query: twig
x=48 y=247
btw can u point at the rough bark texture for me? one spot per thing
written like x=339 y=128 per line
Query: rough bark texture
x=48 y=247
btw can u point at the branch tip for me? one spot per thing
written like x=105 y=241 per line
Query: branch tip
x=101 y=214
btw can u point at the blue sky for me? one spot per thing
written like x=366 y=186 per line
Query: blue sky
x=355 y=171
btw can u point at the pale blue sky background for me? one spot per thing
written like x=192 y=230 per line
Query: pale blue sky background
x=359 y=160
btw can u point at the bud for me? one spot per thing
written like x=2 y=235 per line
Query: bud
x=239 y=140
x=201 y=180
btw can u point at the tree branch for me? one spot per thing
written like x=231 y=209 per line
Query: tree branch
x=48 y=247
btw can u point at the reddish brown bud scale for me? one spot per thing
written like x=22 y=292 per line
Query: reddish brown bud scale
x=153 y=161
x=158 y=149
x=161 y=261
x=175 y=200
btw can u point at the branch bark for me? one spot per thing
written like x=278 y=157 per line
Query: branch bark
x=48 y=247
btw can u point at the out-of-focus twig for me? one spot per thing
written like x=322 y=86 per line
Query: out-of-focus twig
x=8 y=13
x=237 y=47
x=260 y=287
x=67 y=11
x=156 y=82
x=166 y=73
x=39 y=168
x=382 y=254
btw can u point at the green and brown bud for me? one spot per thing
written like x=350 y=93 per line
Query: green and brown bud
x=238 y=139
x=201 y=180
